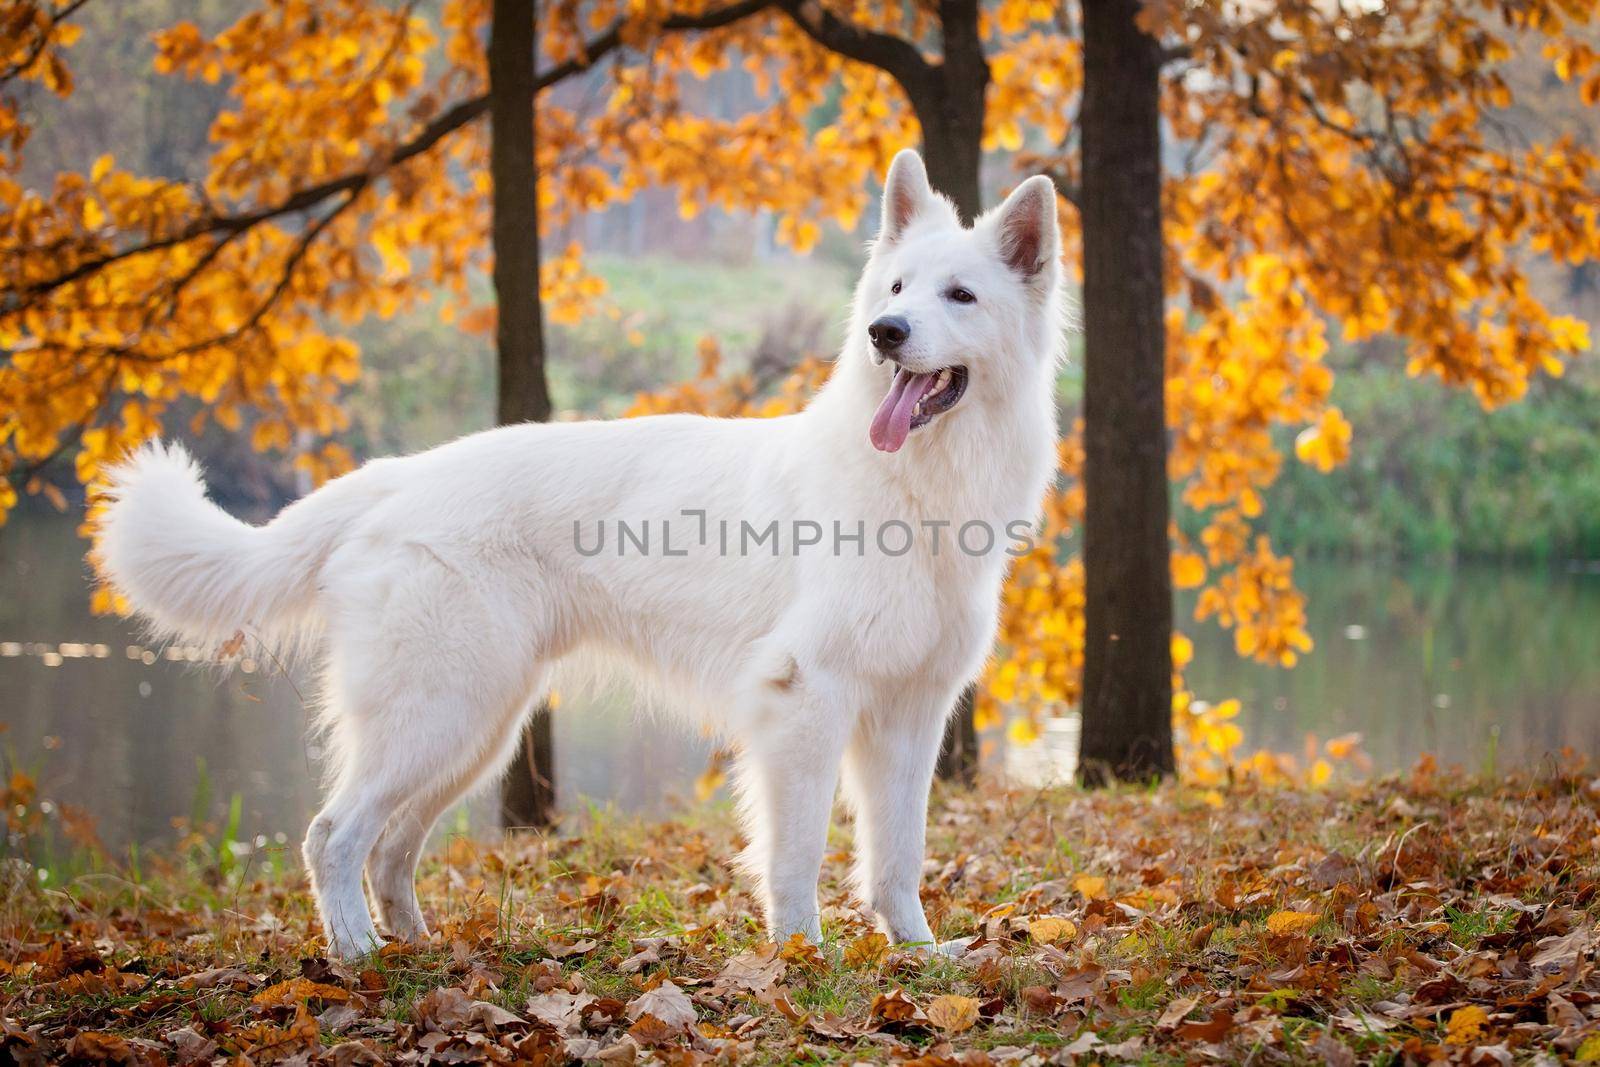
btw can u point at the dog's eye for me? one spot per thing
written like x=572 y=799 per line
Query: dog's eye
x=895 y=288
x=962 y=296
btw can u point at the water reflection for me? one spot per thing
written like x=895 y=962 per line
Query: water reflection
x=1462 y=663
x=1472 y=664
x=141 y=740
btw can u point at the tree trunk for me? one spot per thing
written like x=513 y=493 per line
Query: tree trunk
x=949 y=106
x=1127 y=675
x=950 y=109
x=528 y=797
x=958 y=755
x=950 y=149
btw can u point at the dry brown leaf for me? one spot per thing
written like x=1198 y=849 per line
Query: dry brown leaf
x=1175 y=1012
x=1558 y=955
x=801 y=952
x=452 y=1008
x=667 y=1003
x=1209 y=1030
x=560 y=1009
x=562 y=950
x=894 y=1008
x=867 y=951
x=952 y=1013
x=651 y=1031
x=221 y=978
x=755 y=970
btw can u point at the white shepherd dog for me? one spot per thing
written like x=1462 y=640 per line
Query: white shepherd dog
x=816 y=588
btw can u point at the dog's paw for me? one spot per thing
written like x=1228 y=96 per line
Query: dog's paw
x=952 y=950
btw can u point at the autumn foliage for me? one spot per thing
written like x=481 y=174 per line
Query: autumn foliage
x=1339 y=172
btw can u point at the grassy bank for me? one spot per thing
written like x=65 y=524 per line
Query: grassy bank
x=1433 y=476
x=1412 y=920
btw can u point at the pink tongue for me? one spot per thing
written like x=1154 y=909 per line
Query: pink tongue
x=893 y=420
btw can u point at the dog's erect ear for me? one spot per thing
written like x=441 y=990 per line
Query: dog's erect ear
x=1030 y=237
x=906 y=194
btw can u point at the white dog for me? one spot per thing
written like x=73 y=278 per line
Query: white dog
x=817 y=588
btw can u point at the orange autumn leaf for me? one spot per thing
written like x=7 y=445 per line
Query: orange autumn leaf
x=952 y=1013
x=1287 y=923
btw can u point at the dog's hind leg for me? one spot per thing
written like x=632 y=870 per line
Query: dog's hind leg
x=788 y=774
x=392 y=867
x=414 y=714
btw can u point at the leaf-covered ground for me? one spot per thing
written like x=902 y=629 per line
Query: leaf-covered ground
x=1417 y=919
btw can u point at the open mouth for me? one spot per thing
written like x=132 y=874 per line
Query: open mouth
x=913 y=400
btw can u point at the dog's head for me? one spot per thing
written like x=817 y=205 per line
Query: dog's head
x=953 y=318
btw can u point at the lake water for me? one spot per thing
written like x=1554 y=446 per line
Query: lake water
x=1470 y=664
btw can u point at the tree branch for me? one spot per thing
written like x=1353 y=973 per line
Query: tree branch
x=22 y=65
x=895 y=56
x=431 y=134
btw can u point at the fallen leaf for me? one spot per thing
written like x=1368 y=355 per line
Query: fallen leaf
x=97 y=1047
x=1175 y=1012
x=1093 y=887
x=867 y=951
x=562 y=950
x=1334 y=1053
x=651 y=1031
x=1209 y=1030
x=1083 y=1044
x=1289 y=923
x=666 y=1002
x=1051 y=930
x=641 y=959
x=352 y=1054
x=451 y=1008
x=338 y=1018
x=220 y=978
x=190 y=1045
x=559 y=1009
x=802 y=953
x=753 y=971
x=299 y=991
x=1558 y=955
x=895 y=1008
x=952 y=1013
x=1466 y=1026
x=1040 y=999
x=1081 y=984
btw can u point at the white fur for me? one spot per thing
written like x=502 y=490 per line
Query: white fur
x=445 y=586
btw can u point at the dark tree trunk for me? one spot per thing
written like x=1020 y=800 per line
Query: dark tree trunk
x=949 y=104
x=950 y=149
x=1127 y=675
x=528 y=797
x=958 y=756
x=949 y=108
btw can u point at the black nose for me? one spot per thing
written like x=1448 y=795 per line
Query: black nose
x=889 y=332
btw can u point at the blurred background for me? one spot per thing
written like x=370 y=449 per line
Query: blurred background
x=1450 y=566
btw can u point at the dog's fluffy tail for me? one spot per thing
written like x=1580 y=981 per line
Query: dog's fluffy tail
x=197 y=573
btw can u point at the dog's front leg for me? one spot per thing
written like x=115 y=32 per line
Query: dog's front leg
x=888 y=771
x=789 y=772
